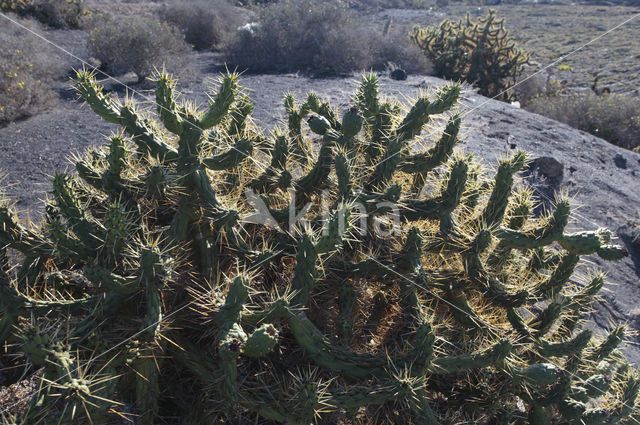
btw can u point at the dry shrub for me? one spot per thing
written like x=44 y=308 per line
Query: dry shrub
x=398 y=49
x=205 y=24
x=59 y=13
x=613 y=117
x=26 y=70
x=136 y=45
x=54 y=13
x=316 y=37
x=254 y=2
x=14 y=6
x=393 y=4
x=536 y=85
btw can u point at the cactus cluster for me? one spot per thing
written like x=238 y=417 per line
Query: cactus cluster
x=481 y=53
x=198 y=271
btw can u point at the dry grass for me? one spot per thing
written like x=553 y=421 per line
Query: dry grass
x=613 y=117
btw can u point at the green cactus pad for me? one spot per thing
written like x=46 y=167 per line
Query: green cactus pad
x=261 y=341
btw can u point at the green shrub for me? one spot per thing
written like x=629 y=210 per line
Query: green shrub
x=613 y=117
x=168 y=280
x=136 y=45
x=204 y=23
x=481 y=53
x=26 y=70
x=317 y=37
x=54 y=13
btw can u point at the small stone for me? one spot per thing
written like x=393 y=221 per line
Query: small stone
x=544 y=174
x=94 y=62
x=549 y=168
x=398 y=74
x=620 y=161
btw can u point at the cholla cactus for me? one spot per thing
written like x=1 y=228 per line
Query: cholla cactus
x=198 y=297
x=481 y=53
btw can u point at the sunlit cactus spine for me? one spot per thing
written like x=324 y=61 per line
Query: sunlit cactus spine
x=347 y=269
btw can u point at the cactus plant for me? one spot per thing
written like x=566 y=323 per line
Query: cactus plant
x=481 y=53
x=188 y=311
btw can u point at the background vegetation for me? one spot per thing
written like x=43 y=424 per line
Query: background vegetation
x=318 y=37
x=549 y=31
x=138 y=45
x=613 y=117
x=26 y=69
x=54 y=13
x=336 y=37
x=205 y=24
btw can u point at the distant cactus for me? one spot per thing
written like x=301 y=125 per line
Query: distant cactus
x=481 y=53
x=187 y=306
